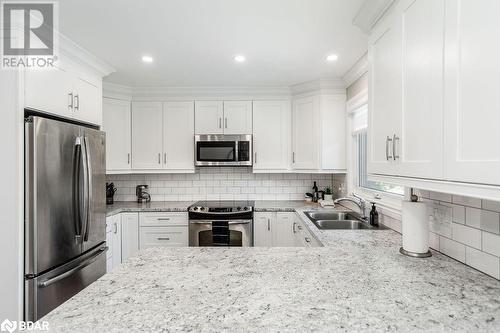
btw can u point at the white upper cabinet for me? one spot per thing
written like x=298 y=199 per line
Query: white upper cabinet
x=217 y=117
x=237 y=117
x=178 y=136
x=384 y=116
x=209 y=117
x=117 y=125
x=271 y=135
x=318 y=135
x=420 y=144
x=69 y=91
x=305 y=152
x=147 y=135
x=406 y=91
x=55 y=98
x=472 y=106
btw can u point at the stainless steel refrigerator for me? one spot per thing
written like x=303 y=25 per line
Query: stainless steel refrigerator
x=65 y=208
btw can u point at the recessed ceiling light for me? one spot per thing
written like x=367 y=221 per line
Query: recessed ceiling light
x=332 y=57
x=239 y=58
x=147 y=59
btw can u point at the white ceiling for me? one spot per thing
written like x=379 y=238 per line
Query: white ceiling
x=193 y=41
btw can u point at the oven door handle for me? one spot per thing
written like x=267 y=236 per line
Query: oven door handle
x=230 y=222
x=222 y=213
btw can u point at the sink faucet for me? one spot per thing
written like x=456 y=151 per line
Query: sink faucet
x=357 y=200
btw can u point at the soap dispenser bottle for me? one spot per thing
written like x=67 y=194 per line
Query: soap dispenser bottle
x=374 y=215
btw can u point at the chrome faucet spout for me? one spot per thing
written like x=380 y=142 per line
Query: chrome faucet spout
x=357 y=200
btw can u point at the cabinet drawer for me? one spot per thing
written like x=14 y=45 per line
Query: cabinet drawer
x=163 y=236
x=158 y=219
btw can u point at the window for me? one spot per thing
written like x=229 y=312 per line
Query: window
x=359 y=126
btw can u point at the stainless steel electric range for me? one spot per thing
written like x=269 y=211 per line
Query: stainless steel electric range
x=221 y=223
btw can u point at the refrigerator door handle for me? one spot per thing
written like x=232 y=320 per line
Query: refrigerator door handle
x=85 y=207
x=73 y=270
x=76 y=188
x=89 y=188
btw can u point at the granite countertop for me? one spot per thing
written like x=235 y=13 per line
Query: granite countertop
x=182 y=206
x=358 y=281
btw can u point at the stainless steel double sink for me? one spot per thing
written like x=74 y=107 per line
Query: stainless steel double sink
x=330 y=220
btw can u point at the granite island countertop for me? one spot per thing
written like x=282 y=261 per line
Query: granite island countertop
x=358 y=281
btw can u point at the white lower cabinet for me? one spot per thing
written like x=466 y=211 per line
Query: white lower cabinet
x=281 y=230
x=159 y=229
x=114 y=243
x=122 y=238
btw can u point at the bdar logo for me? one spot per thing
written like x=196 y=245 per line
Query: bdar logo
x=8 y=326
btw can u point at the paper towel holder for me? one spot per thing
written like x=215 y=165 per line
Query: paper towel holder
x=414 y=198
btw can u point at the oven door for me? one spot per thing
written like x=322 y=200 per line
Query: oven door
x=232 y=233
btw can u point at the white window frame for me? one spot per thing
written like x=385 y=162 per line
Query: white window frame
x=391 y=203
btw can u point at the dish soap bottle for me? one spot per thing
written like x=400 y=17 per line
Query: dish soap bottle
x=374 y=215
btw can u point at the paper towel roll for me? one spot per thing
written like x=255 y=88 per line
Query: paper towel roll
x=415 y=227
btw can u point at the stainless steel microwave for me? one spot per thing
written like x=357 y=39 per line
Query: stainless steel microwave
x=223 y=150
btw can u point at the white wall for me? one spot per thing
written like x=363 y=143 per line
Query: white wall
x=11 y=226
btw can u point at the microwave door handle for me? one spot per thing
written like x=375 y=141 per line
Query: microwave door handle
x=236 y=151
x=89 y=189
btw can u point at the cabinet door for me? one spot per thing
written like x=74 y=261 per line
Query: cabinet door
x=209 y=117
x=237 y=117
x=116 y=230
x=147 y=135
x=178 y=136
x=282 y=230
x=163 y=237
x=130 y=234
x=384 y=110
x=420 y=144
x=333 y=132
x=271 y=135
x=262 y=235
x=49 y=91
x=116 y=124
x=471 y=97
x=305 y=154
x=87 y=101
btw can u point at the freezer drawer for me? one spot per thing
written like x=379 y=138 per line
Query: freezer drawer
x=46 y=292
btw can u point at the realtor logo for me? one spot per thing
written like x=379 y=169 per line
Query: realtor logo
x=8 y=326
x=28 y=34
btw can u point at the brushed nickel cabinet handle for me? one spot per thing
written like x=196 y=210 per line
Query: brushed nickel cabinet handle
x=293 y=157
x=163 y=219
x=308 y=240
x=387 y=145
x=159 y=158
x=128 y=158
x=163 y=238
x=165 y=158
x=71 y=100
x=220 y=122
x=268 y=224
x=77 y=102
x=394 y=150
x=255 y=158
x=225 y=122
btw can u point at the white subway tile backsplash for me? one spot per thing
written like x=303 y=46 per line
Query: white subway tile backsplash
x=466 y=201
x=483 y=219
x=466 y=235
x=452 y=248
x=482 y=261
x=440 y=196
x=491 y=243
x=491 y=205
x=434 y=241
x=221 y=184
x=458 y=214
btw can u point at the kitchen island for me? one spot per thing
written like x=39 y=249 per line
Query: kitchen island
x=357 y=281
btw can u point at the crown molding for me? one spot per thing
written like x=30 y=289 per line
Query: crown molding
x=319 y=87
x=79 y=54
x=370 y=12
x=356 y=71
